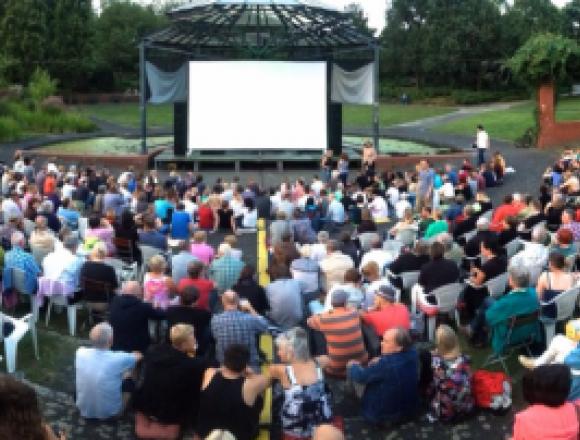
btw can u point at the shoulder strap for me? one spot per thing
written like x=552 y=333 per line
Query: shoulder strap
x=290 y=374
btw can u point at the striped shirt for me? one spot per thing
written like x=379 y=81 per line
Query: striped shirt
x=344 y=340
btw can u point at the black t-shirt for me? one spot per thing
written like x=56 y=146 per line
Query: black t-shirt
x=97 y=271
x=225 y=219
x=254 y=293
x=506 y=236
x=198 y=318
x=472 y=247
x=408 y=262
x=494 y=267
x=437 y=273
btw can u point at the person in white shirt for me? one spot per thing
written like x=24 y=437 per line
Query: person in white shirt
x=535 y=254
x=393 y=195
x=401 y=206
x=379 y=208
x=11 y=206
x=318 y=250
x=336 y=213
x=68 y=189
x=334 y=265
x=63 y=264
x=377 y=254
x=317 y=185
x=482 y=144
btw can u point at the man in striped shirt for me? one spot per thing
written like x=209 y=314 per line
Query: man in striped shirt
x=342 y=329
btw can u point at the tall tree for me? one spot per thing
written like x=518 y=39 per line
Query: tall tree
x=359 y=18
x=71 y=28
x=24 y=36
x=118 y=31
x=572 y=19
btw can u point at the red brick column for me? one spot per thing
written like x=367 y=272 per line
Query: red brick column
x=552 y=133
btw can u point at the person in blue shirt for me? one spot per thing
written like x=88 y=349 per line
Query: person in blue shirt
x=390 y=380
x=70 y=215
x=180 y=223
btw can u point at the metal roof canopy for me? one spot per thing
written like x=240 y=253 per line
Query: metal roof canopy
x=261 y=29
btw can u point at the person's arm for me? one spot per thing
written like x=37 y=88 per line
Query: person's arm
x=254 y=385
x=364 y=375
x=541 y=286
x=314 y=322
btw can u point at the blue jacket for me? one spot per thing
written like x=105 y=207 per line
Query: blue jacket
x=573 y=361
x=391 y=391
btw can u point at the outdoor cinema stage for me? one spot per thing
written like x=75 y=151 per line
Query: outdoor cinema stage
x=296 y=61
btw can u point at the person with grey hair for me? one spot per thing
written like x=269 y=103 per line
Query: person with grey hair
x=534 y=255
x=453 y=251
x=46 y=209
x=494 y=313
x=318 y=249
x=42 y=240
x=64 y=264
x=18 y=258
x=390 y=381
x=302 y=379
x=99 y=375
x=569 y=222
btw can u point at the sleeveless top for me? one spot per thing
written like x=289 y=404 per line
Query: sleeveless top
x=305 y=406
x=549 y=309
x=156 y=291
x=222 y=406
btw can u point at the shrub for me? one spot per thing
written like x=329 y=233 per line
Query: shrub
x=9 y=129
x=40 y=87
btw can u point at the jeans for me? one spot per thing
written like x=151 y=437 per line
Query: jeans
x=480 y=156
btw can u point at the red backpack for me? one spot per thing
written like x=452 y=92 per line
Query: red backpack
x=492 y=390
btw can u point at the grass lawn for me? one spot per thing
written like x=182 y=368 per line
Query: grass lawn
x=512 y=123
x=353 y=116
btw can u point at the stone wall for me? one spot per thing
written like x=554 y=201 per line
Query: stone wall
x=552 y=133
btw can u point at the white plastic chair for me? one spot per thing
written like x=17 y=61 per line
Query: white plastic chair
x=513 y=247
x=59 y=298
x=366 y=239
x=565 y=305
x=446 y=297
x=21 y=327
x=496 y=286
x=409 y=279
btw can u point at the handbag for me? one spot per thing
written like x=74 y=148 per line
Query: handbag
x=492 y=390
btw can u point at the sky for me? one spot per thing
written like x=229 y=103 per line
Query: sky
x=374 y=9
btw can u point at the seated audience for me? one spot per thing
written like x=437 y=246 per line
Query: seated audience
x=181 y=261
x=568 y=222
x=248 y=288
x=100 y=230
x=230 y=396
x=409 y=261
x=555 y=281
x=386 y=313
x=450 y=393
x=378 y=255
x=564 y=244
x=307 y=401
x=200 y=249
x=95 y=269
x=306 y=270
x=195 y=278
x=549 y=415
x=535 y=253
x=285 y=298
x=284 y=252
x=341 y=327
x=334 y=265
x=278 y=228
x=150 y=236
x=237 y=324
x=129 y=316
x=64 y=264
x=157 y=286
x=438 y=225
x=352 y=285
x=100 y=373
x=391 y=381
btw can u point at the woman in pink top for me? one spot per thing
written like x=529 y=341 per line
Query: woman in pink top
x=549 y=416
x=200 y=249
x=157 y=286
x=101 y=229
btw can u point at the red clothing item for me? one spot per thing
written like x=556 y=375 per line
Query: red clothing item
x=49 y=185
x=205 y=214
x=539 y=422
x=501 y=213
x=203 y=286
x=393 y=316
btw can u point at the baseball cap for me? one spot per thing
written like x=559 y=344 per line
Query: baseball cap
x=339 y=298
x=386 y=292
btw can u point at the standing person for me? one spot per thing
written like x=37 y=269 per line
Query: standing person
x=342 y=168
x=369 y=157
x=326 y=166
x=481 y=143
x=424 y=185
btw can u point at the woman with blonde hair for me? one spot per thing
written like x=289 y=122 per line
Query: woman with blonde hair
x=450 y=393
x=157 y=286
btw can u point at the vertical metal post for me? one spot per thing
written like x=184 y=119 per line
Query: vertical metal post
x=143 y=97
x=376 y=104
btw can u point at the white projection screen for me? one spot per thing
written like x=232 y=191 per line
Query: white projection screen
x=257 y=105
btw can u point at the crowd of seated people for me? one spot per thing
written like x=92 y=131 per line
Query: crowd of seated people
x=176 y=343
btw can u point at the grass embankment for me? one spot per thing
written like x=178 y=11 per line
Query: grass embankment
x=127 y=114
x=512 y=123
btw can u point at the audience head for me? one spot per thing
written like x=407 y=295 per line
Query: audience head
x=437 y=250
x=280 y=215
x=446 y=240
x=94 y=221
x=220 y=434
x=194 y=269
x=305 y=251
x=99 y=251
x=149 y=223
x=157 y=264
x=20 y=417
x=231 y=240
x=230 y=300
x=278 y=271
x=101 y=335
x=182 y=338
x=71 y=243
x=489 y=246
x=564 y=236
x=236 y=358
x=519 y=277
x=224 y=250
x=17 y=239
x=339 y=298
x=248 y=272
x=352 y=276
x=293 y=345
x=446 y=341
x=539 y=234
x=323 y=237
x=557 y=261
x=370 y=271
x=547 y=385
x=189 y=296
x=421 y=247
x=385 y=295
x=327 y=432
x=567 y=216
x=396 y=340
x=332 y=246
x=199 y=237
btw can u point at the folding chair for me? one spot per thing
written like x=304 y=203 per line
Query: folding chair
x=496 y=286
x=446 y=301
x=509 y=346
x=96 y=295
x=124 y=248
x=565 y=305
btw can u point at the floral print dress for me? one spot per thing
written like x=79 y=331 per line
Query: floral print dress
x=450 y=392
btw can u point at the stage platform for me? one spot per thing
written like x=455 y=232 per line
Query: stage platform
x=244 y=160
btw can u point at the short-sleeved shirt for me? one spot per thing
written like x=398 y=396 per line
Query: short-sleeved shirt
x=494 y=267
x=206 y=219
x=225 y=271
x=285 y=298
x=99 y=374
x=393 y=316
x=180 y=225
x=203 y=251
x=203 y=286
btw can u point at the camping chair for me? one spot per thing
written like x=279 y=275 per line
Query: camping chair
x=96 y=295
x=565 y=305
x=446 y=297
x=124 y=248
x=496 y=286
x=124 y=271
x=513 y=247
x=510 y=345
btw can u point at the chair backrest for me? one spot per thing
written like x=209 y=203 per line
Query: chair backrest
x=83 y=225
x=513 y=247
x=496 y=286
x=566 y=303
x=19 y=281
x=366 y=239
x=409 y=278
x=447 y=296
x=96 y=290
x=407 y=237
x=521 y=320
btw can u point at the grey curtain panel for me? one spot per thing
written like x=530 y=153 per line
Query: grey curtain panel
x=166 y=86
x=356 y=87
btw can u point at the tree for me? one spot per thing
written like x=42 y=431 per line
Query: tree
x=118 y=32
x=359 y=18
x=71 y=28
x=24 y=36
x=40 y=87
x=572 y=20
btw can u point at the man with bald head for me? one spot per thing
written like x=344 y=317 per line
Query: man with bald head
x=239 y=323
x=327 y=432
x=129 y=317
x=390 y=380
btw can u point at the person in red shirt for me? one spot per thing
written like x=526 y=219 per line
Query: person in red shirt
x=511 y=206
x=207 y=217
x=386 y=313
x=49 y=186
x=203 y=285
